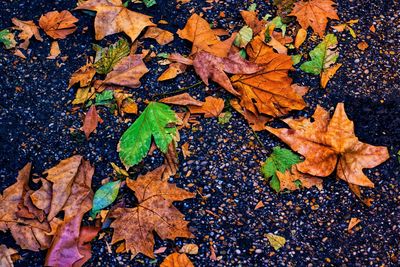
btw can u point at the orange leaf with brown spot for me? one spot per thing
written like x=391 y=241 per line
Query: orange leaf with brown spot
x=113 y=17
x=314 y=14
x=83 y=76
x=154 y=212
x=330 y=143
x=58 y=25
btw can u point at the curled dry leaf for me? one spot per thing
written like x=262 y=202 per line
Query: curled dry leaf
x=314 y=14
x=28 y=30
x=198 y=31
x=91 y=121
x=154 y=212
x=177 y=260
x=212 y=107
x=300 y=37
x=208 y=66
x=83 y=76
x=113 y=17
x=183 y=99
x=330 y=143
x=127 y=72
x=58 y=25
x=162 y=37
x=268 y=91
x=54 y=50
x=191 y=249
x=6 y=255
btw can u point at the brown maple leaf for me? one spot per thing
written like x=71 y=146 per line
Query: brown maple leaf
x=28 y=30
x=113 y=17
x=83 y=76
x=58 y=25
x=177 y=260
x=154 y=212
x=212 y=107
x=209 y=66
x=199 y=32
x=268 y=91
x=329 y=144
x=127 y=72
x=162 y=37
x=314 y=14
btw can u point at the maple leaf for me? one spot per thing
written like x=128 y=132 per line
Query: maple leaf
x=113 y=17
x=268 y=91
x=157 y=121
x=127 y=72
x=154 y=212
x=83 y=76
x=58 y=25
x=292 y=180
x=314 y=14
x=177 y=260
x=28 y=30
x=162 y=37
x=91 y=121
x=212 y=107
x=208 y=66
x=197 y=30
x=329 y=144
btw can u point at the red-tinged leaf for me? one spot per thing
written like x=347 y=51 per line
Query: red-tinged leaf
x=91 y=121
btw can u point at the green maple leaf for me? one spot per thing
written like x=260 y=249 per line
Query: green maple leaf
x=322 y=56
x=281 y=160
x=157 y=121
x=107 y=58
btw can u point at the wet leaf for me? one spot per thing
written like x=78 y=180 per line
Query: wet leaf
x=212 y=107
x=105 y=196
x=276 y=241
x=157 y=121
x=112 y=17
x=107 y=58
x=154 y=212
x=280 y=160
x=177 y=260
x=28 y=30
x=314 y=14
x=162 y=37
x=91 y=121
x=58 y=25
x=330 y=143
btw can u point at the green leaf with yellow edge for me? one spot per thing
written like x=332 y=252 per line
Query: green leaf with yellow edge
x=276 y=241
x=156 y=121
x=322 y=56
x=243 y=37
x=281 y=160
x=107 y=58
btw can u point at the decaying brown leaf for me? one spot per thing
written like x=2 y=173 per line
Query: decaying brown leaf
x=268 y=91
x=162 y=37
x=177 y=260
x=208 y=66
x=171 y=161
x=314 y=14
x=83 y=76
x=154 y=212
x=330 y=143
x=91 y=121
x=127 y=72
x=6 y=255
x=212 y=107
x=251 y=20
x=199 y=32
x=113 y=17
x=183 y=99
x=58 y=25
x=28 y=30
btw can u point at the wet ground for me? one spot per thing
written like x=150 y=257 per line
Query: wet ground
x=35 y=124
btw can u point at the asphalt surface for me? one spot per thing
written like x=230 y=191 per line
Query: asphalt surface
x=36 y=122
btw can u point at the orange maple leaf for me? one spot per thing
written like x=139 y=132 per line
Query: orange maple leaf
x=330 y=143
x=314 y=14
x=58 y=25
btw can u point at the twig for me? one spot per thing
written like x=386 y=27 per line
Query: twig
x=179 y=90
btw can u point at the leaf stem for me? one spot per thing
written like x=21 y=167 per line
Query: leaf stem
x=179 y=90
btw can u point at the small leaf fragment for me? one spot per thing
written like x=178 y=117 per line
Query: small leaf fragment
x=276 y=241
